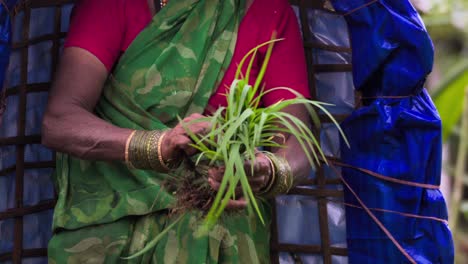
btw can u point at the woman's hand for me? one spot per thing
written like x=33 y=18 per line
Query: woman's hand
x=258 y=179
x=177 y=143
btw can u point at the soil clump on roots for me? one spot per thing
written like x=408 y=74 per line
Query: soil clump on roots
x=191 y=189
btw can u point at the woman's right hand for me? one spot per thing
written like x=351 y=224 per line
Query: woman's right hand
x=177 y=142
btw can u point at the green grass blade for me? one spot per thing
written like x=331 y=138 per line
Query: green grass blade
x=330 y=116
x=232 y=129
x=210 y=218
x=260 y=126
x=232 y=176
x=248 y=193
x=241 y=64
x=308 y=136
x=301 y=139
x=249 y=68
x=265 y=63
x=155 y=240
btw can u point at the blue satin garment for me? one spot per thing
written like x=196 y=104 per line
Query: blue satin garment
x=395 y=137
x=5 y=41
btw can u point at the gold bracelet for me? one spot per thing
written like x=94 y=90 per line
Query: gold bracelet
x=143 y=157
x=160 y=157
x=272 y=177
x=135 y=149
x=136 y=144
x=284 y=179
x=152 y=139
x=155 y=153
x=144 y=151
x=127 y=145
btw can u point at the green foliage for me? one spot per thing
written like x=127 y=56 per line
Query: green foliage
x=464 y=208
x=449 y=97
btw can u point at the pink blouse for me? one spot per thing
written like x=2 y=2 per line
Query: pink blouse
x=106 y=28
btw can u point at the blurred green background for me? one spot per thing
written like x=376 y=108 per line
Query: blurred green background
x=447 y=23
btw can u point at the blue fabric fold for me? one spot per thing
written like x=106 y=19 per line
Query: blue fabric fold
x=391 y=45
x=396 y=137
x=5 y=42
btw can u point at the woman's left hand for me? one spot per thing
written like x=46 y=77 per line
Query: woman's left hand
x=258 y=179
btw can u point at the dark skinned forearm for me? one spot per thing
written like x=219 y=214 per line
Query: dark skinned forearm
x=79 y=133
x=69 y=124
x=293 y=151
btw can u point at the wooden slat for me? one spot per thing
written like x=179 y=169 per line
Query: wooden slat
x=339 y=118
x=48 y=3
x=317 y=192
x=27 y=210
x=28 y=42
x=317 y=4
x=327 y=182
x=310 y=249
x=20 y=140
x=28 y=166
x=25 y=4
x=21 y=129
x=333 y=48
x=321 y=68
x=27 y=253
x=314 y=4
x=324 y=231
x=56 y=41
x=274 y=238
x=30 y=88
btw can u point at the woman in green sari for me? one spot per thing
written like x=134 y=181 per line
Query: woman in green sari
x=123 y=81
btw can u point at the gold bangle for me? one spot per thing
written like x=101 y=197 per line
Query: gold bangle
x=160 y=157
x=141 y=148
x=272 y=177
x=150 y=146
x=284 y=179
x=136 y=144
x=143 y=154
x=127 y=145
x=152 y=152
x=144 y=151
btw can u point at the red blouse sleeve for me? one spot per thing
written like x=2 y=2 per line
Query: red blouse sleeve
x=98 y=27
x=287 y=66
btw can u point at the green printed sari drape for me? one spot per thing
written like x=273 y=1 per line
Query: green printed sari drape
x=105 y=210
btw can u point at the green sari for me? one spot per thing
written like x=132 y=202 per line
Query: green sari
x=107 y=211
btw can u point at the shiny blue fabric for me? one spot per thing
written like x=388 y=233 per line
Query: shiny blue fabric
x=5 y=42
x=399 y=138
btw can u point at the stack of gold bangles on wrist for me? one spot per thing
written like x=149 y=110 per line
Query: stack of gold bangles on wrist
x=143 y=151
x=281 y=178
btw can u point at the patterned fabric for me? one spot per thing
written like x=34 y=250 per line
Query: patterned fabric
x=105 y=210
x=231 y=241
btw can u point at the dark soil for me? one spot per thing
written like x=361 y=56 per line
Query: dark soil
x=191 y=188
